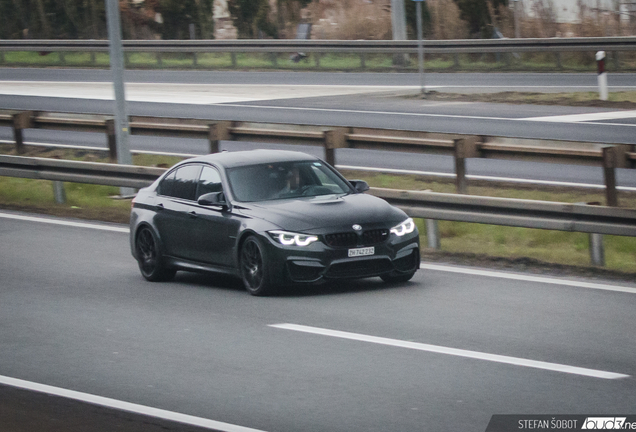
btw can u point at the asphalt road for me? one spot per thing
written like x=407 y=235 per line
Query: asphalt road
x=385 y=109
x=465 y=81
x=76 y=314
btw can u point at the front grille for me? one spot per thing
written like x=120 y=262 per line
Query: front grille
x=351 y=239
x=372 y=237
x=359 y=268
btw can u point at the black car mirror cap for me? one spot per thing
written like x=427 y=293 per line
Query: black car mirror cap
x=359 y=185
x=214 y=199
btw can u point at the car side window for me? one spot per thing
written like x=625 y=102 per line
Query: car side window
x=209 y=181
x=166 y=187
x=185 y=182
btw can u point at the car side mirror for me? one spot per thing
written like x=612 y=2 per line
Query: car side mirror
x=213 y=199
x=359 y=185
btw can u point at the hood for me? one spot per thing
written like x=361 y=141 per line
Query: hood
x=318 y=214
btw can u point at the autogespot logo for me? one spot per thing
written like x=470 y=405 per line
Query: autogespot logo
x=607 y=423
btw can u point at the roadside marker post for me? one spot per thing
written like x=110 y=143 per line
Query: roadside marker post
x=602 y=75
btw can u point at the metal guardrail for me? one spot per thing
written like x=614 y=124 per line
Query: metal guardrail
x=622 y=43
x=78 y=171
x=460 y=147
x=420 y=204
x=513 y=212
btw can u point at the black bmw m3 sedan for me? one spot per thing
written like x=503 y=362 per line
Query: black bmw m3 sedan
x=271 y=218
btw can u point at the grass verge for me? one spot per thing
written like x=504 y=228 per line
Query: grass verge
x=533 y=62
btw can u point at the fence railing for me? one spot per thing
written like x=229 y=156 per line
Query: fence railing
x=321 y=47
x=622 y=43
x=460 y=147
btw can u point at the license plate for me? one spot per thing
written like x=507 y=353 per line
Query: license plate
x=361 y=251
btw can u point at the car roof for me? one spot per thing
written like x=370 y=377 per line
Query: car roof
x=229 y=159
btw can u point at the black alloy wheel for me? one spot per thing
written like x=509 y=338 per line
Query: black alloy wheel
x=150 y=259
x=253 y=268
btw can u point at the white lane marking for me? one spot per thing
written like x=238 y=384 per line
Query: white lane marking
x=527 y=278
x=404 y=114
x=125 y=406
x=231 y=94
x=481 y=177
x=65 y=223
x=198 y=94
x=516 y=361
x=575 y=118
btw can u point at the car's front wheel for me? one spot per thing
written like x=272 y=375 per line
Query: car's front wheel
x=254 y=269
x=149 y=257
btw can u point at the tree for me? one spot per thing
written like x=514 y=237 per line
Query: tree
x=411 y=19
x=51 y=19
x=179 y=14
x=250 y=16
x=288 y=11
x=476 y=14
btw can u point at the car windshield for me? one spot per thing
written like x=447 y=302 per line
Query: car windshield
x=284 y=180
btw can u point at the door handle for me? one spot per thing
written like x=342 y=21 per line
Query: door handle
x=160 y=206
x=193 y=214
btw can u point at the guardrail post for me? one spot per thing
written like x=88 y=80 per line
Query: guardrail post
x=112 y=140
x=363 y=61
x=21 y=121
x=194 y=59
x=1 y=56
x=334 y=138
x=233 y=56
x=610 y=162
x=59 y=193
x=597 y=250
x=93 y=59
x=464 y=148
x=159 y=57
x=317 y=58
x=219 y=131
x=617 y=62
x=62 y=57
x=432 y=234
x=559 y=65
x=274 y=59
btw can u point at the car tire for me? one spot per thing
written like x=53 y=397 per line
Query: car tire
x=254 y=269
x=149 y=257
x=397 y=277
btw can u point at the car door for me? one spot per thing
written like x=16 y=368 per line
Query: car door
x=216 y=228
x=176 y=211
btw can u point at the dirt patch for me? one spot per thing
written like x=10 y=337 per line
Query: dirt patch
x=104 y=215
x=563 y=99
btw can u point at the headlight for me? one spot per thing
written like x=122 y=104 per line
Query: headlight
x=289 y=238
x=406 y=227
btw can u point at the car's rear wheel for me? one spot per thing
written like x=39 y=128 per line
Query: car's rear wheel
x=254 y=269
x=149 y=257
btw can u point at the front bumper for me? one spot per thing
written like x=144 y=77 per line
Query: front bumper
x=316 y=262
